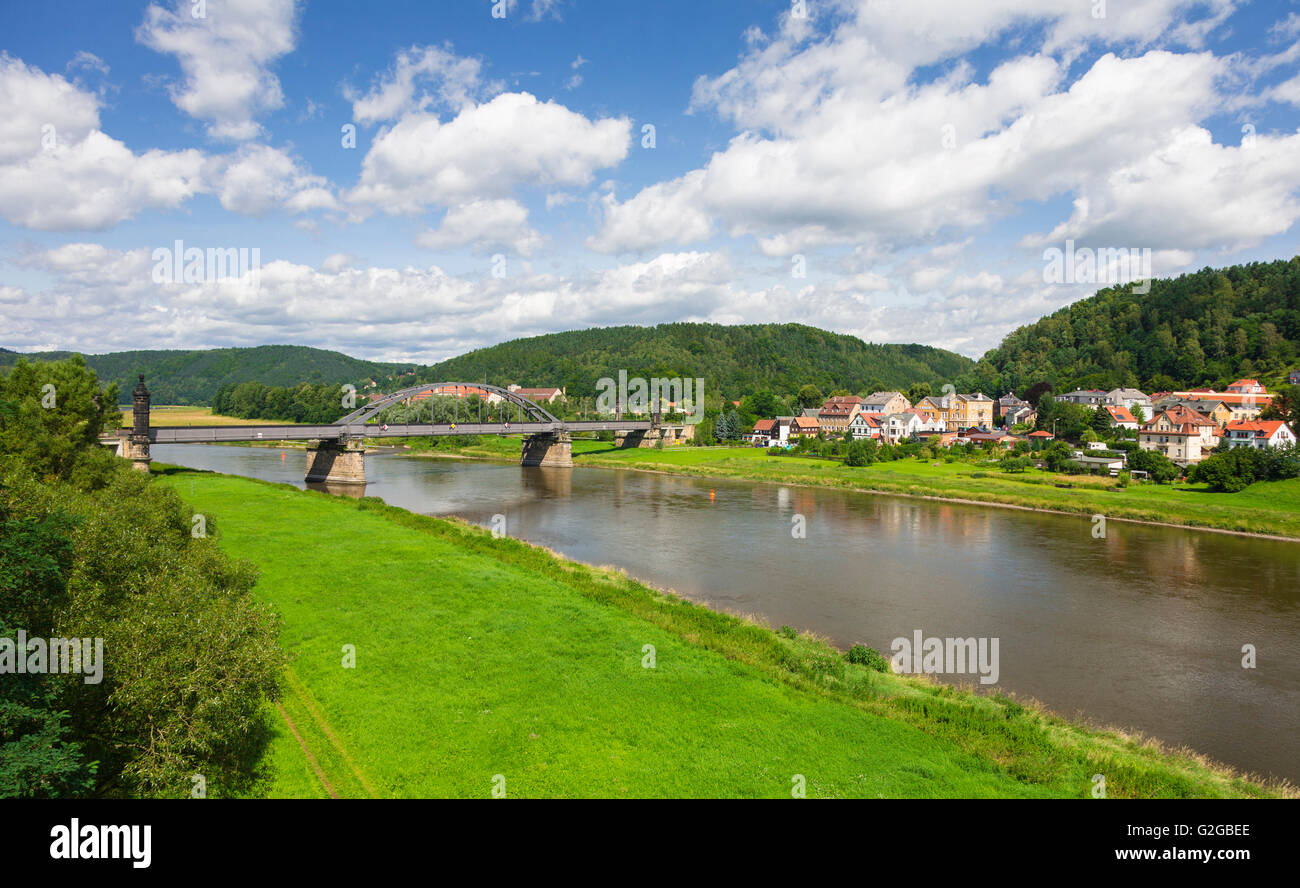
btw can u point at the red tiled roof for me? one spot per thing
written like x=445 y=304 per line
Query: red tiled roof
x=1041 y=434
x=1120 y=414
x=765 y=425
x=1180 y=415
x=1259 y=399
x=460 y=391
x=1262 y=429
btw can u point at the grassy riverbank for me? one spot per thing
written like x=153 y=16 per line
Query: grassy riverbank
x=477 y=657
x=1271 y=508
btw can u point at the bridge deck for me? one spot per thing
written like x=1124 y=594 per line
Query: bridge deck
x=212 y=434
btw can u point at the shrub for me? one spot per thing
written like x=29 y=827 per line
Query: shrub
x=787 y=632
x=862 y=655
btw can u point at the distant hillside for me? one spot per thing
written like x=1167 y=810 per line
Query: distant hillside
x=193 y=377
x=734 y=360
x=1207 y=328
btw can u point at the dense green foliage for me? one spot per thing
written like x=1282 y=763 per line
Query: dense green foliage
x=1237 y=468
x=193 y=376
x=1285 y=406
x=51 y=417
x=300 y=403
x=1206 y=328
x=90 y=549
x=732 y=360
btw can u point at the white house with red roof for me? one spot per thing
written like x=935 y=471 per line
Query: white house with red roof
x=899 y=426
x=546 y=395
x=1121 y=417
x=1246 y=387
x=764 y=431
x=865 y=425
x=1180 y=433
x=1259 y=434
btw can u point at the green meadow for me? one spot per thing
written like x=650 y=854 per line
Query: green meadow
x=483 y=663
x=1265 y=507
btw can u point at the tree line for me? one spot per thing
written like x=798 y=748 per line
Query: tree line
x=90 y=549
x=300 y=403
x=1207 y=328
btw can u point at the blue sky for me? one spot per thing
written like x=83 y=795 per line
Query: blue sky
x=893 y=169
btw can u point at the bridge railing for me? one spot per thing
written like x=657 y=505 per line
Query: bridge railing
x=217 y=434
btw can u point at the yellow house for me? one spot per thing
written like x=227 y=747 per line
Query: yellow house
x=1245 y=407
x=932 y=409
x=976 y=410
x=958 y=411
x=1218 y=411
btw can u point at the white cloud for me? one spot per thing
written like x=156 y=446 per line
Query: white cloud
x=59 y=171
x=929 y=278
x=89 y=61
x=485 y=151
x=225 y=58
x=486 y=225
x=1192 y=194
x=1288 y=91
x=545 y=9
x=257 y=179
x=369 y=311
x=669 y=212
x=422 y=77
x=336 y=262
x=36 y=108
x=840 y=146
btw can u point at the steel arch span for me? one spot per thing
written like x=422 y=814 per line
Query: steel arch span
x=529 y=411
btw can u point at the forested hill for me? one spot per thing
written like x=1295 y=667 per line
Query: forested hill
x=733 y=360
x=1208 y=328
x=193 y=377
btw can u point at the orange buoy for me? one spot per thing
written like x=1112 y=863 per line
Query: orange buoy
x=281 y=454
x=710 y=495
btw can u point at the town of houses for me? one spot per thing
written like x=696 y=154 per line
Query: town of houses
x=1183 y=425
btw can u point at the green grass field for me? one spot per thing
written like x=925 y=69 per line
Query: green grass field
x=477 y=657
x=1266 y=507
x=164 y=415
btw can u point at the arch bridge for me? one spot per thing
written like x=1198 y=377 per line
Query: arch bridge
x=336 y=451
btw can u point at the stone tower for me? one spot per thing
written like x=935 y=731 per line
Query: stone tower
x=137 y=446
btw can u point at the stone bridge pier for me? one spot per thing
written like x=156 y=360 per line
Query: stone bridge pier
x=333 y=461
x=552 y=449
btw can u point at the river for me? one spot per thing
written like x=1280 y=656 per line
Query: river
x=1141 y=630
